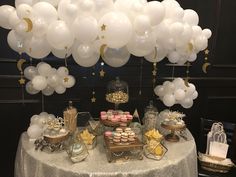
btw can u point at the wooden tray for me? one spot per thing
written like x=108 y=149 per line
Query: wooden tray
x=123 y=148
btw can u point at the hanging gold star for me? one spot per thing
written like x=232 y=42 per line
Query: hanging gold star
x=102 y=73
x=206 y=52
x=154 y=72
x=93 y=99
x=22 y=81
x=66 y=79
x=103 y=27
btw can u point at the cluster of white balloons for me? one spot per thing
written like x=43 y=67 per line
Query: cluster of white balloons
x=176 y=92
x=47 y=79
x=38 y=124
x=153 y=30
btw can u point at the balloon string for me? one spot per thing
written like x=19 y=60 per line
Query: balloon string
x=66 y=60
x=141 y=77
x=42 y=97
x=31 y=60
x=173 y=72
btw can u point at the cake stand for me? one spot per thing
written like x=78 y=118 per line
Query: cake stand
x=172 y=137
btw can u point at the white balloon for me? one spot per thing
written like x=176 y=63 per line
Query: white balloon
x=86 y=5
x=160 y=91
x=52 y=2
x=5 y=12
x=200 y=43
x=44 y=69
x=62 y=71
x=48 y=91
x=13 y=20
x=59 y=35
x=67 y=11
x=141 y=45
x=192 y=57
x=116 y=57
x=53 y=80
x=179 y=94
x=197 y=30
x=187 y=103
x=85 y=29
x=190 y=17
x=30 y=89
x=60 y=89
x=30 y=72
x=63 y=53
x=179 y=83
x=176 y=29
x=29 y=2
x=45 y=11
x=37 y=47
x=39 y=82
x=173 y=57
x=34 y=131
x=85 y=55
x=33 y=119
x=15 y=41
x=102 y=7
x=190 y=89
x=22 y=29
x=142 y=24
x=155 y=11
x=158 y=54
x=195 y=95
x=169 y=100
x=40 y=26
x=24 y=11
x=115 y=29
x=68 y=81
x=207 y=33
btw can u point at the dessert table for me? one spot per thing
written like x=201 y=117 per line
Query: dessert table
x=179 y=161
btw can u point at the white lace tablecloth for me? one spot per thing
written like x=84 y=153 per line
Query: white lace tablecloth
x=179 y=161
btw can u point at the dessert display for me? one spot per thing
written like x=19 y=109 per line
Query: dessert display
x=173 y=122
x=150 y=117
x=76 y=149
x=88 y=138
x=154 y=148
x=115 y=118
x=117 y=92
x=122 y=143
x=70 y=117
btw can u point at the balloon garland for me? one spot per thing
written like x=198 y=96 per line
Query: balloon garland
x=153 y=30
x=47 y=79
x=176 y=92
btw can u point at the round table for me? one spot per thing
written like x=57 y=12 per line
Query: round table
x=179 y=161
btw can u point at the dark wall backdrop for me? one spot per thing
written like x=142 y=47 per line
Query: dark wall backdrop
x=217 y=88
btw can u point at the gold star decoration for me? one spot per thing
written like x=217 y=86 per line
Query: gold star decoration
x=103 y=27
x=93 y=99
x=206 y=52
x=22 y=81
x=154 y=72
x=66 y=79
x=102 y=73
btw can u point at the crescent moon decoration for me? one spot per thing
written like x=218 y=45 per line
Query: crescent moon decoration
x=155 y=52
x=186 y=81
x=29 y=24
x=190 y=47
x=102 y=50
x=204 y=67
x=20 y=63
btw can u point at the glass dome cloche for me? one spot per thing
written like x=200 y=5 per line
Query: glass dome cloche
x=117 y=92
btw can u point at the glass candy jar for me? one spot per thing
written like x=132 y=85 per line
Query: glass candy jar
x=70 y=117
x=117 y=92
x=76 y=149
x=150 y=117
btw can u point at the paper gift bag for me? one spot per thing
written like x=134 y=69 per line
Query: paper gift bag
x=218 y=149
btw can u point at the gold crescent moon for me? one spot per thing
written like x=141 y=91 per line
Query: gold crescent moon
x=190 y=47
x=20 y=63
x=29 y=24
x=155 y=52
x=204 y=67
x=186 y=81
x=102 y=50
